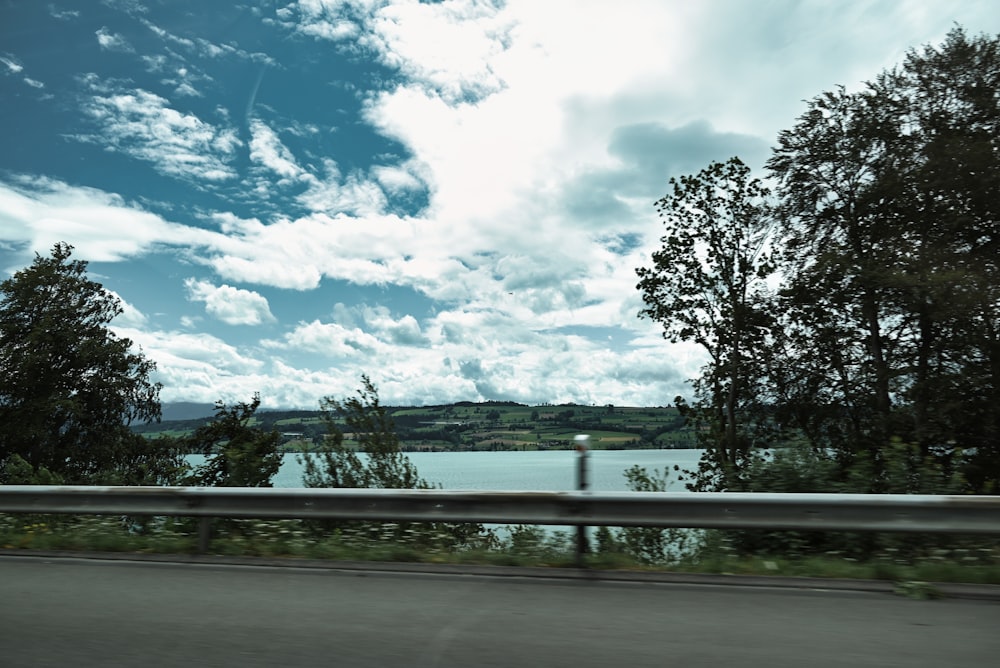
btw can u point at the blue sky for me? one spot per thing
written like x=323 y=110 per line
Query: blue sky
x=450 y=197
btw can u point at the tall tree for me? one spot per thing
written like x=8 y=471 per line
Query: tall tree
x=707 y=285
x=837 y=255
x=889 y=199
x=945 y=102
x=239 y=454
x=69 y=387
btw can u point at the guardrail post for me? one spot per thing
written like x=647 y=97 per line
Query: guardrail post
x=582 y=483
x=204 y=534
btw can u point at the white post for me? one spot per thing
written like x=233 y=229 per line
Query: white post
x=582 y=483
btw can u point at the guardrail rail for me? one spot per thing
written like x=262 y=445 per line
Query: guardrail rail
x=706 y=510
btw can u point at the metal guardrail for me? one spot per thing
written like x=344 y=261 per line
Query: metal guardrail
x=727 y=510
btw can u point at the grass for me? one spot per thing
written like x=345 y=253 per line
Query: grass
x=524 y=546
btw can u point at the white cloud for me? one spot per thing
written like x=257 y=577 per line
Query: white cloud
x=497 y=124
x=336 y=30
x=198 y=366
x=205 y=48
x=541 y=132
x=404 y=331
x=323 y=19
x=473 y=356
x=232 y=306
x=130 y=317
x=185 y=89
x=11 y=63
x=297 y=254
x=449 y=47
x=111 y=41
x=62 y=14
x=333 y=194
x=144 y=125
x=379 y=321
x=168 y=36
x=488 y=359
x=397 y=179
x=36 y=213
x=327 y=190
x=331 y=340
x=266 y=149
x=182 y=352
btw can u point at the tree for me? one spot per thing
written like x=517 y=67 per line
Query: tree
x=706 y=285
x=836 y=254
x=239 y=455
x=69 y=387
x=891 y=302
x=945 y=102
x=371 y=427
x=384 y=466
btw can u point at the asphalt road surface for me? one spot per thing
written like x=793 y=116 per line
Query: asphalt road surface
x=79 y=612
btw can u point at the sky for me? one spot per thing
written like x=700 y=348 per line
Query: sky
x=449 y=197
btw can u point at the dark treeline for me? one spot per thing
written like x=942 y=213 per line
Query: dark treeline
x=851 y=311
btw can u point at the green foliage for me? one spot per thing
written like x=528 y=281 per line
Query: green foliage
x=239 y=455
x=885 y=327
x=15 y=471
x=891 y=302
x=69 y=387
x=383 y=466
x=650 y=546
x=151 y=461
x=793 y=470
x=529 y=544
x=707 y=285
x=335 y=464
x=605 y=541
x=901 y=468
x=897 y=468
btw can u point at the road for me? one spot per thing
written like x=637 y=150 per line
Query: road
x=80 y=612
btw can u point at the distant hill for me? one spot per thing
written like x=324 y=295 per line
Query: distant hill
x=186 y=410
x=471 y=426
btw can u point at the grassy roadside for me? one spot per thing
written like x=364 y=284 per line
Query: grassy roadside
x=290 y=539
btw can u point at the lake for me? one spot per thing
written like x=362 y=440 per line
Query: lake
x=546 y=470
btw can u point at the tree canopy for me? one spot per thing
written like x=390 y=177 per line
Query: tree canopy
x=884 y=330
x=69 y=386
x=891 y=302
x=707 y=285
x=336 y=464
x=239 y=453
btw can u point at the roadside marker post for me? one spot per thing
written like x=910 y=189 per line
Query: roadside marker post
x=583 y=484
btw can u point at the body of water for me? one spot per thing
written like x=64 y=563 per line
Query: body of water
x=546 y=470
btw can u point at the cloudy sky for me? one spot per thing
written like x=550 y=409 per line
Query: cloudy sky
x=451 y=197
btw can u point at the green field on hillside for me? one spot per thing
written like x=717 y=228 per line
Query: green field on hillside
x=485 y=426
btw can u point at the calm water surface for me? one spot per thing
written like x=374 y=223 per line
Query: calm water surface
x=549 y=470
